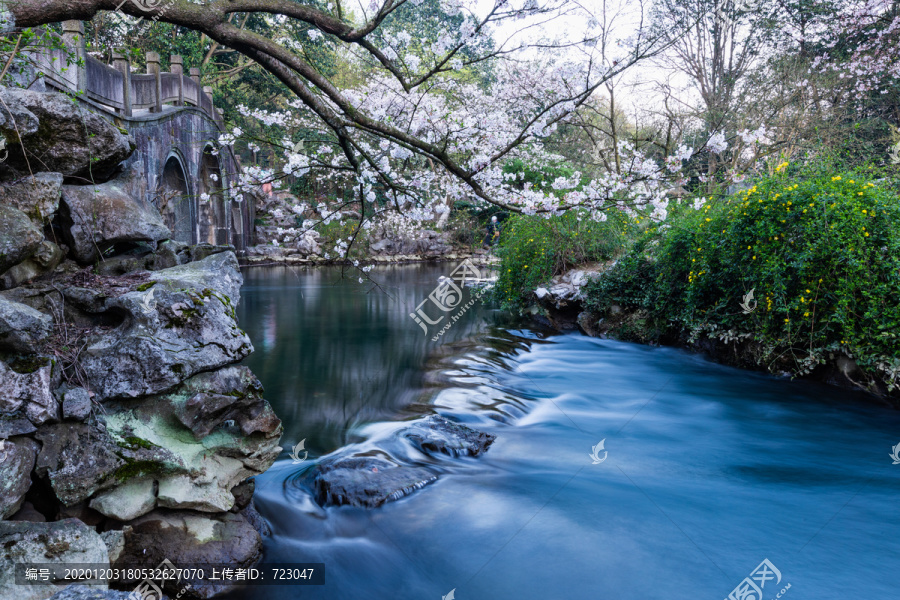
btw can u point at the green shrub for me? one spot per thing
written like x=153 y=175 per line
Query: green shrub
x=821 y=253
x=533 y=249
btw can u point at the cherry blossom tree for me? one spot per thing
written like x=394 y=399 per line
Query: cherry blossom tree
x=544 y=59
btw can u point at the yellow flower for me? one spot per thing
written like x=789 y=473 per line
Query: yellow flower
x=806 y=314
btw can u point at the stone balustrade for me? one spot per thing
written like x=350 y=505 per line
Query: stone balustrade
x=117 y=88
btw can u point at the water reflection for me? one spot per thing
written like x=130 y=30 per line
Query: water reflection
x=332 y=352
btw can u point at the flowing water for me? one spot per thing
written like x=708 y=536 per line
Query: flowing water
x=706 y=470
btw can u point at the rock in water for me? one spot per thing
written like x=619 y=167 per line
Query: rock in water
x=439 y=434
x=63 y=136
x=59 y=542
x=19 y=238
x=98 y=217
x=366 y=481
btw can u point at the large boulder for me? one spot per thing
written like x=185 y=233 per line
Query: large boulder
x=99 y=217
x=180 y=323
x=16 y=462
x=19 y=237
x=186 y=538
x=60 y=543
x=28 y=394
x=187 y=449
x=22 y=328
x=218 y=431
x=37 y=196
x=67 y=137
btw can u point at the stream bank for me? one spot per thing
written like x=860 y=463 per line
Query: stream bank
x=563 y=305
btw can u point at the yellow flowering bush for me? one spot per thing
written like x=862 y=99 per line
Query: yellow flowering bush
x=821 y=254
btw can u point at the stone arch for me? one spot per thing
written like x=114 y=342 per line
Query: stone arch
x=178 y=207
x=215 y=221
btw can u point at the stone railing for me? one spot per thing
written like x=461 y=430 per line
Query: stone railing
x=116 y=88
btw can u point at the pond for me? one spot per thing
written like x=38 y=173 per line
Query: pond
x=704 y=473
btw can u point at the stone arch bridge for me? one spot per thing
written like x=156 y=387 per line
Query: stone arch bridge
x=178 y=161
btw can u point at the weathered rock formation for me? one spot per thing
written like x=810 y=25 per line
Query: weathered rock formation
x=125 y=424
